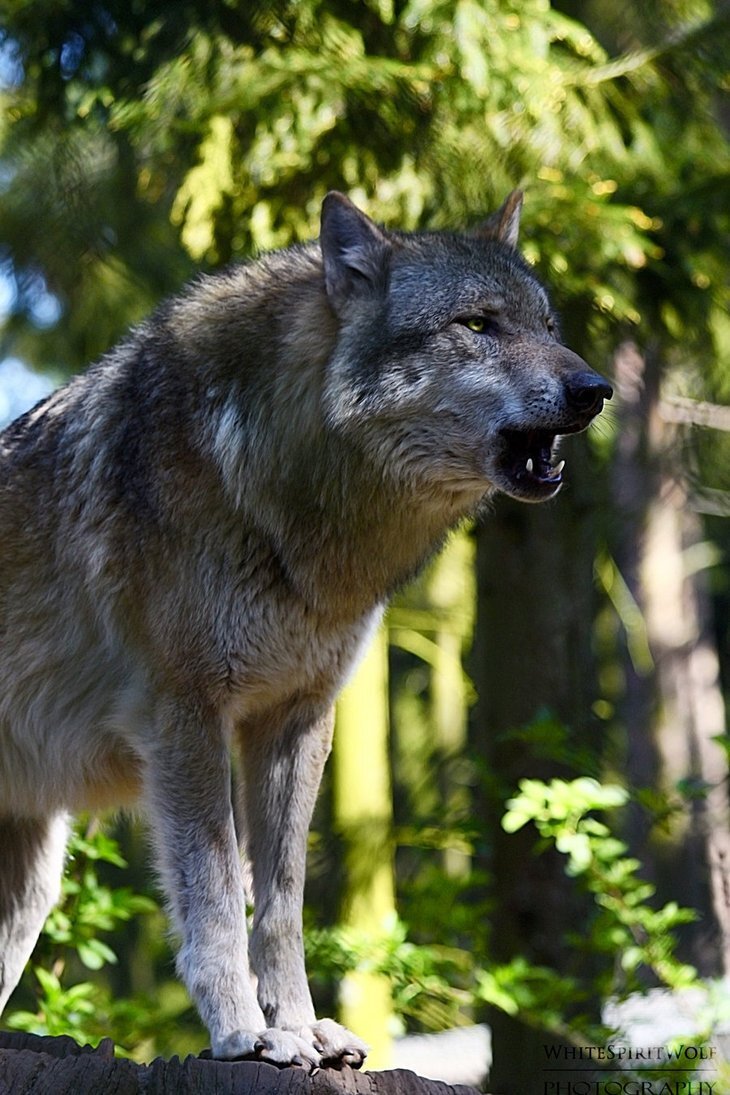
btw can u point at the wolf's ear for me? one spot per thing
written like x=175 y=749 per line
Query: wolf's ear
x=354 y=249
x=504 y=225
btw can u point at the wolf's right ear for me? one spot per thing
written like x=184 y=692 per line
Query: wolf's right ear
x=354 y=249
x=504 y=225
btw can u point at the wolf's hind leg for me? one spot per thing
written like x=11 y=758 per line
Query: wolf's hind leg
x=31 y=865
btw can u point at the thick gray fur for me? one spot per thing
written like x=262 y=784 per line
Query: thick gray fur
x=198 y=537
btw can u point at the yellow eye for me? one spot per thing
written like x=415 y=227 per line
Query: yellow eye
x=478 y=324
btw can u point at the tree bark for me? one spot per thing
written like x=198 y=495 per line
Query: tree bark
x=51 y=1066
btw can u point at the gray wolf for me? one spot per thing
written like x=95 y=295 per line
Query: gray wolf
x=198 y=537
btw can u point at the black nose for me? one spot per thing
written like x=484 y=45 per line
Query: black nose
x=586 y=392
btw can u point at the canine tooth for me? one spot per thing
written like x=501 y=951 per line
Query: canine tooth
x=529 y=465
x=559 y=467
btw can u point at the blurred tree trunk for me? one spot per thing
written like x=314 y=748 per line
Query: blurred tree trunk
x=363 y=815
x=672 y=705
x=533 y=652
x=449 y=596
x=532 y=655
x=431 y=623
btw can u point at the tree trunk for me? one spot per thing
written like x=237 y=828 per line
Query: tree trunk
x=532 y=655
x=672 y=707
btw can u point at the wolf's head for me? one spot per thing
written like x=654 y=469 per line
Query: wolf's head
x=448 y=366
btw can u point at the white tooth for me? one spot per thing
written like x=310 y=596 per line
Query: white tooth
x=558 y=468
x=529 y=465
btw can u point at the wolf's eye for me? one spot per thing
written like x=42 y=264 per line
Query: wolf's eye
x=478 y=324
x=550 y=324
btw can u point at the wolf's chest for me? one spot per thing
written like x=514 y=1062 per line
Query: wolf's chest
x=287 y=652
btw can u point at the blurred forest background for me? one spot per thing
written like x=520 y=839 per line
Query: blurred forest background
x=142 y=140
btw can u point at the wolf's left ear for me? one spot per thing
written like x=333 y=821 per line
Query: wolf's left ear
x=504 y=225
x=354 y=249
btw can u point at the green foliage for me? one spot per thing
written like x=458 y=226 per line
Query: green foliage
x=425 y=980
x=88 y=906
x=627 y=945
x=631 y=937
x=60 y=1011
x=142 y=135
x=537 y=995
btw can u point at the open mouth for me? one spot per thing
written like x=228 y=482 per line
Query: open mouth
x=527 y=465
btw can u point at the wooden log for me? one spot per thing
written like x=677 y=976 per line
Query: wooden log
x=34 y=1065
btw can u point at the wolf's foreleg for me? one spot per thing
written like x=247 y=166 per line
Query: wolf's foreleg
x=189 y=796
x=283 y=759
x=31 y=865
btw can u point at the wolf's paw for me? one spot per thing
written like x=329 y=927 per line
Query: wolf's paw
x=336 y=1044
x=277 y=1047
